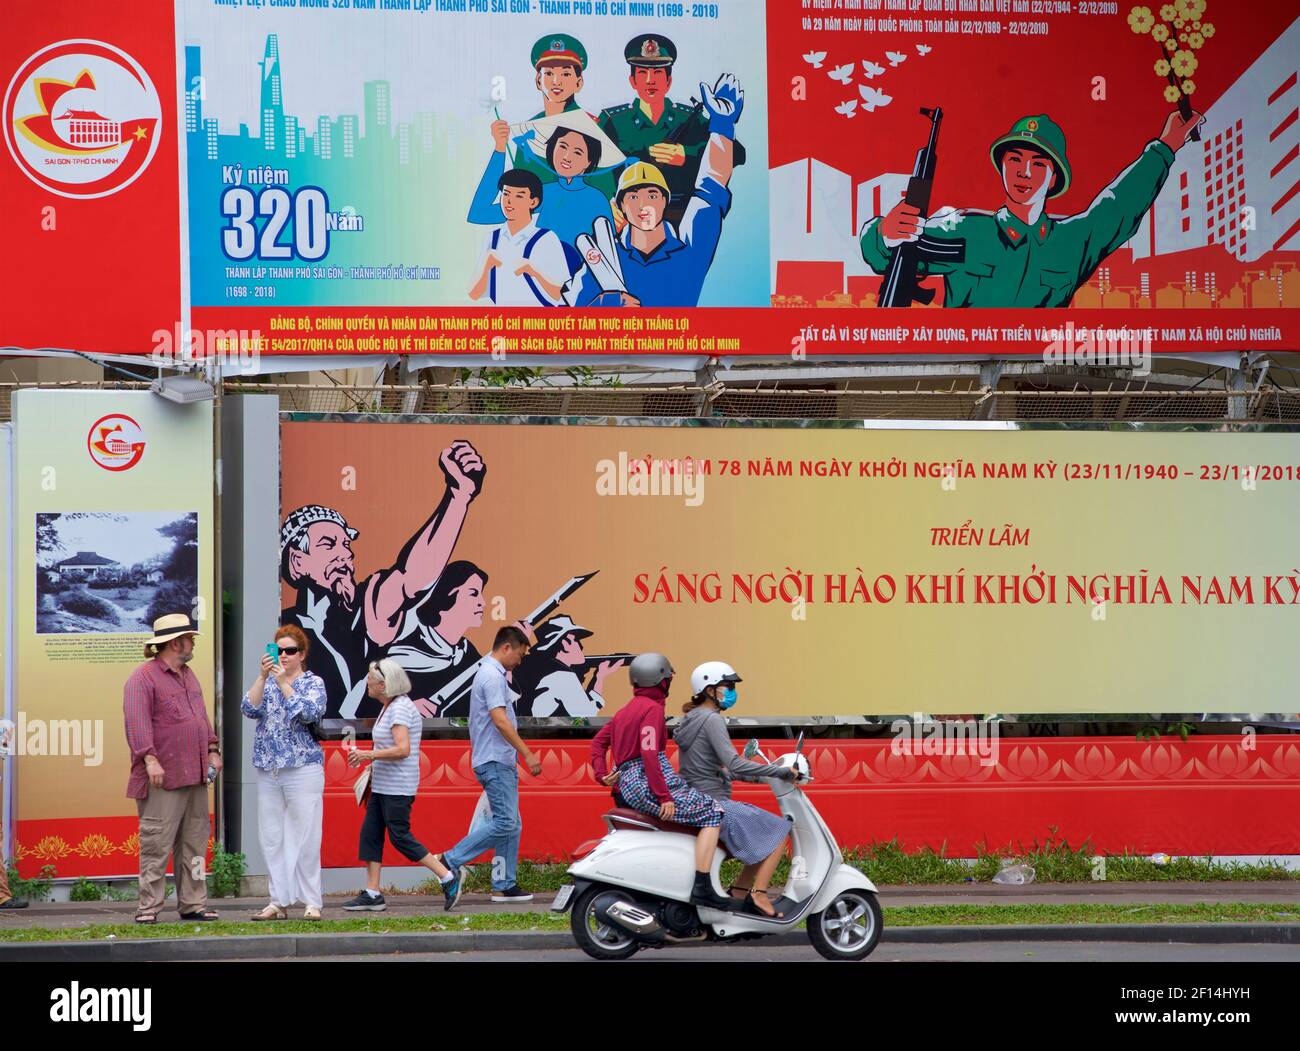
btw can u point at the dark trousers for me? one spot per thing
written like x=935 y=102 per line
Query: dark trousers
x=391 y=814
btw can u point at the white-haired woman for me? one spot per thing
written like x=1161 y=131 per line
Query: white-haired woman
x=394 y=778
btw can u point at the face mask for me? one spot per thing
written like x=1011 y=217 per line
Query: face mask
x=728 y=698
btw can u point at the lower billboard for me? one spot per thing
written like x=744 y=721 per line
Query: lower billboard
x=843 y=572
x=112 y=525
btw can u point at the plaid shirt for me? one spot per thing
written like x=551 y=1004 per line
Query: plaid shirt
x=167 y=718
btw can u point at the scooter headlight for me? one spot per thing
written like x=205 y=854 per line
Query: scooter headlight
x=799 y=762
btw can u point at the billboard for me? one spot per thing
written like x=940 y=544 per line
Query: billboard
x=618 y=178
x=842 y=572
x=90 y=174
x=112 y=521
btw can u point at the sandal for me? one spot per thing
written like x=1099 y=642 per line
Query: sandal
x=146 y=919
x=751 y=906
x=311 y=913
x=271 y=912
x=202 y=914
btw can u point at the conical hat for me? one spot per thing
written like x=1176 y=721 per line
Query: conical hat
x=572 y=120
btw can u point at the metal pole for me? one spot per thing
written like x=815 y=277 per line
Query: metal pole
x=9 y=785
x=1237 y=395
x=990 y=376
x=218 y=811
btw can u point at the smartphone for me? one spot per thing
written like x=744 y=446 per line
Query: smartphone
x=273 y=651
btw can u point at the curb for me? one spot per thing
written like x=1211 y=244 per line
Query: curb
x=1146 y=933
x=307 y=946
x=282 y=946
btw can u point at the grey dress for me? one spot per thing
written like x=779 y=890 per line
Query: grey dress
x=710 y=763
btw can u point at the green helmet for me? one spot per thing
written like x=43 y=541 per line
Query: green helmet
x=1040 y=133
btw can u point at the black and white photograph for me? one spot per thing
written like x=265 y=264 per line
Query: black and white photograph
x=109 y=572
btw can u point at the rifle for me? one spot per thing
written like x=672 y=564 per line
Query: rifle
x=900 y=287
x=697 y=108
x=457 y=688
x=593 y=662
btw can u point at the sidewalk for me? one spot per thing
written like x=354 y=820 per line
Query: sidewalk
x=80 y=913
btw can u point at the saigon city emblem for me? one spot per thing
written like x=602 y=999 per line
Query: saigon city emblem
x=116 y=442
x=81 y=118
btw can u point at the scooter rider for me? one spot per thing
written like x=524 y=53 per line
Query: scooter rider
x=645 y=779
x=709 y=763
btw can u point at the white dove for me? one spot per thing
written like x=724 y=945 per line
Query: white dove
x=870 y=69
x=815 y=59
x=896 y=58
x=872 y=97
x=923 y=49
x=844 y=74
x=847 y=108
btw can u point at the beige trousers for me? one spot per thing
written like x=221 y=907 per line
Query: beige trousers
x=174 y=822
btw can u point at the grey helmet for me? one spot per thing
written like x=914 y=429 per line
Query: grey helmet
x=650 y=669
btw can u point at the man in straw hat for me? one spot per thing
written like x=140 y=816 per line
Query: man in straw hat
x=172 y=748
x=1019 y=256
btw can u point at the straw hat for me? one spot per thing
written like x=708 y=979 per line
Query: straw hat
x=171 y=626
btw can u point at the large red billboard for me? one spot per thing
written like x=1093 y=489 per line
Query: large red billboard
x=89 y=176
x=1075 y=180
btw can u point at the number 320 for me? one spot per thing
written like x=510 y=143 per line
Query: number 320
x=304 y=211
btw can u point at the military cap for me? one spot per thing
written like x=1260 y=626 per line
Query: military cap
x=651 y=50
x=1040 y=133
x=559 y=47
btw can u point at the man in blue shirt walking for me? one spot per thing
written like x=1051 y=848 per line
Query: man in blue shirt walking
x=494 y=735
x=662 y=266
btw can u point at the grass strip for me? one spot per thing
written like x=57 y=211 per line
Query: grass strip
x=889 y=865
x=909 y=916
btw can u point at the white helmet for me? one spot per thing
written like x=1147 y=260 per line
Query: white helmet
x=710 y=673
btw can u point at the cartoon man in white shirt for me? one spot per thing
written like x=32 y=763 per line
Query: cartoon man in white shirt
x=523 y=266
x=549 y=680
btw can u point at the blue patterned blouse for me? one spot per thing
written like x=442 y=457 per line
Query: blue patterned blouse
x=282 y=739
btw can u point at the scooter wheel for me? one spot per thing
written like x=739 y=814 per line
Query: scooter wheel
x=848 y=928
x=599 y=938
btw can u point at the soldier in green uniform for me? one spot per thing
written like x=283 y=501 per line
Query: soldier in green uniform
x=656 y=130
x=559 y=60
x=1019 y=256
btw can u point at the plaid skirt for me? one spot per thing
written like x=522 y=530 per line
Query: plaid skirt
x=749 y=832
x=692 y=806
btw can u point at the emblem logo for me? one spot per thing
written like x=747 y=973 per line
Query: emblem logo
x=82 y=119
x=115 y=442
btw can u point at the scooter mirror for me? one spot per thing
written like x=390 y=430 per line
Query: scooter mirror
x=751 y=748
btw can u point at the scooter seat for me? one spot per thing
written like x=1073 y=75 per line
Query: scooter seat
x=626 y=817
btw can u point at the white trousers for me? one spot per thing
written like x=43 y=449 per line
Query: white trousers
x=290 y=808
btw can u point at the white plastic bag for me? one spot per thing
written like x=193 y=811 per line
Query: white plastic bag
x=1014 y=875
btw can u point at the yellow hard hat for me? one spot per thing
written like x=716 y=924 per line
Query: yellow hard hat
x=642 y=174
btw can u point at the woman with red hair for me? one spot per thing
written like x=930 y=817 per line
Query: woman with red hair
x=286 y=700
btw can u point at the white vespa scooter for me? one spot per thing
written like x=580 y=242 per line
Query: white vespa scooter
x=632 y=890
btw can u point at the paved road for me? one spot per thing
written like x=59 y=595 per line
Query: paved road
x=1087 y=952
